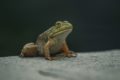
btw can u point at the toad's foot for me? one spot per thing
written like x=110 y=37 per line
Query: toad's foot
x=71 y=54
x=50 y=58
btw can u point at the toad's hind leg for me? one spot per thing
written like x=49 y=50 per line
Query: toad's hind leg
x=66 y=50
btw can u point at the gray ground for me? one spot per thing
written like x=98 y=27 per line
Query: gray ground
x=86 y=66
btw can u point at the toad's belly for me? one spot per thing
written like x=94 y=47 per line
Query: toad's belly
x=55 y=48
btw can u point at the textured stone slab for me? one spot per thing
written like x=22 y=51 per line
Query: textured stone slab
x=103 y=65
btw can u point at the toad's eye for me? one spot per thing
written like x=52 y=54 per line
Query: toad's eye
x=58 y=23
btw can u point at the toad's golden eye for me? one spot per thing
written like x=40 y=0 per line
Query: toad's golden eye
x=58 y=23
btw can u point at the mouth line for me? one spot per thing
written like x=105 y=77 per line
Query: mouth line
x=66 y=30
x=62 y=31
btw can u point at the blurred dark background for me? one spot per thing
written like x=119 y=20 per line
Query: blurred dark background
x=96 y=23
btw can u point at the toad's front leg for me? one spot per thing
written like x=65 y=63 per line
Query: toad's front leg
x=47 y=50
x=66 y=50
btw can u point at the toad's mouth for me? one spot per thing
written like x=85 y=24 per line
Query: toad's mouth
x=65 y=31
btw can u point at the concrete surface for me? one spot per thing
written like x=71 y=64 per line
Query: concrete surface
x=103 y=65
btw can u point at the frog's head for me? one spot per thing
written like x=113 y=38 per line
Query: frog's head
x=61 y=28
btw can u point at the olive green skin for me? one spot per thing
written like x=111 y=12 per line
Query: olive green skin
x=57 y=34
